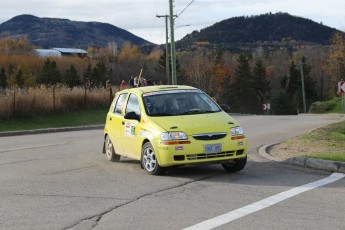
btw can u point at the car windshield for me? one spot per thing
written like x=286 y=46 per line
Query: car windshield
x=178 y=102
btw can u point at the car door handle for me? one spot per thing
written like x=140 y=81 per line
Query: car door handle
x=110 y=118
x=123 y=122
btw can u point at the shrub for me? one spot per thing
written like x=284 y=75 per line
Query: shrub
x=322 y=106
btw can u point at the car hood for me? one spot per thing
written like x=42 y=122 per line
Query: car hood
x=197 y=123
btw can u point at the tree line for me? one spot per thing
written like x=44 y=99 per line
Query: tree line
x=244 y=80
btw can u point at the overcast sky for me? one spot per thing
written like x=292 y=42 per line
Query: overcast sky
x=139 y=16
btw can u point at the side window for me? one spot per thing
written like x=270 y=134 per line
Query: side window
x=112 y=107
x=133 y=104
x=120 y=103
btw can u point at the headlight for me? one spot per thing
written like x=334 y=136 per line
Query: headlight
x=173 y=136
x=234 y=131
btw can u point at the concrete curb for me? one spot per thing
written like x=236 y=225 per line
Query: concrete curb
x=50 y=130
x=327 y=165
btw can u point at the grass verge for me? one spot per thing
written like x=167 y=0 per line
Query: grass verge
x=328 y=142
x=90 y=117
x=330 y=156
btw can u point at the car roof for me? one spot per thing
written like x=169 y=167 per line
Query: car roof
x=155 y=88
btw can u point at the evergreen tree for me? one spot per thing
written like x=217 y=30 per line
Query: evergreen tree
x=19 y=78
x=99 y=74
x=294 y=81
x=50 y=74
x=261 y=83
x=161 y=65
x=72 y=78
x=282 y=104
x=3 y=78
x=88 y=73
x=180 y=74
x=243 y=87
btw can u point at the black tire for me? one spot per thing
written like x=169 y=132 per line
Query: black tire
x=149 y=160
x=235 y=166
x=109 y=150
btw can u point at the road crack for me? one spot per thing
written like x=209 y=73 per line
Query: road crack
x=92 y=221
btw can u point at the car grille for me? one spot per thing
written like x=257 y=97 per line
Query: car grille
x=209 y=136
x=201 y=156
x=209 y=156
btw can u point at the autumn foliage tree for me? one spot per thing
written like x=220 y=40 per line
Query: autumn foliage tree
x=335 y=63
x=220 y=73
x=14 y=46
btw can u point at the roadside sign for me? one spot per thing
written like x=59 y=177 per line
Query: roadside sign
x=266 y=106
x=341 y=87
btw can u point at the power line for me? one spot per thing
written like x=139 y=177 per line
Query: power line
x=185 y=8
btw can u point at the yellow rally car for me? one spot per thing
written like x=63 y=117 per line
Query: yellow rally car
x=165 y=126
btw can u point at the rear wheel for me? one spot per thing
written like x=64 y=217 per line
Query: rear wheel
x=235 y=166
x=109 y=150
x=149 y=160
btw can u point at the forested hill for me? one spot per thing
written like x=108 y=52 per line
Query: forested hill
x=262 y=29
x=54 y=32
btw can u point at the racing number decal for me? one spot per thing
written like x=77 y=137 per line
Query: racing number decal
x=129 y=129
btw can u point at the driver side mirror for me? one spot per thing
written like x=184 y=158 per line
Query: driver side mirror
x=225 y=107
x=132 y=116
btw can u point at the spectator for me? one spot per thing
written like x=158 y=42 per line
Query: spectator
x=136 y=82
x=131 y=82
x=143 y=81
x=149 y=81
x=123 y=85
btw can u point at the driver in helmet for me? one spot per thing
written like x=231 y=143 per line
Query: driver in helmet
x=182 y=105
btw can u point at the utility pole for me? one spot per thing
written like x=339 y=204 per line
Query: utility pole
x=303 y=91
x=172 y=45
x=167 y=71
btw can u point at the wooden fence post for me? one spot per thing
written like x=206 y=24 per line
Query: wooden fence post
x=14 y=103
x=54 y=106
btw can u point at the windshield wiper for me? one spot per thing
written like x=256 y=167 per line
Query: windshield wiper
x=162 y=114
x=199 y=111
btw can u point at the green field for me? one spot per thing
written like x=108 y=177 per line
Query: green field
x=90 y=117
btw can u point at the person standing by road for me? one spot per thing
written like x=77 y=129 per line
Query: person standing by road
x=123 y=85
x=131 y=82
x=135 y=81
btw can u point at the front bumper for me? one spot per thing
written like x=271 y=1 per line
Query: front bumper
x=193 y=153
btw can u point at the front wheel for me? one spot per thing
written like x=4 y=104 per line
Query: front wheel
x=235 y=166
x=109 y=150
x=149 y=160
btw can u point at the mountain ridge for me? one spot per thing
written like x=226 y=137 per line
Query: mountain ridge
x=57 y=32
x=264 y=28
x=279 y=28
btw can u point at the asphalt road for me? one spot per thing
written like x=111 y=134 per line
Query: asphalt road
x=62 y=181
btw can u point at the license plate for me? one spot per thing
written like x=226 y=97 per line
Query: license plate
x=213 y=148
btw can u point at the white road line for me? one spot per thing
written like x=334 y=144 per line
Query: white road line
x=265 y=203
